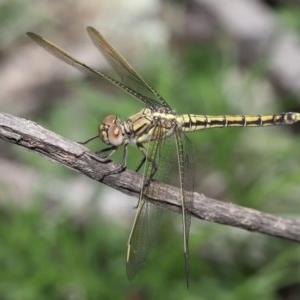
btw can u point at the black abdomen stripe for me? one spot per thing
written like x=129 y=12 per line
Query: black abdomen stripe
x=191 y=122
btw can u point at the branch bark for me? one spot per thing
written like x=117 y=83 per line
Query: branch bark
x=35 y=138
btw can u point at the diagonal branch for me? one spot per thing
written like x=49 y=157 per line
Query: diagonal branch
x=35 y=138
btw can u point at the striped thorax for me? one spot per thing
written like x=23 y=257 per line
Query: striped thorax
x=142 y=127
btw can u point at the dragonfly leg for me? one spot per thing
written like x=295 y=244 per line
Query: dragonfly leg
x=141 y=164
x=151 y=160
x=111 y=150
x=124 y=159
x=89 y=140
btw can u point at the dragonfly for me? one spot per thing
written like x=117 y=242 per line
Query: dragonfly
x=157 y=130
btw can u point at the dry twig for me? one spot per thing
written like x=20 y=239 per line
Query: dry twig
x=35 y=138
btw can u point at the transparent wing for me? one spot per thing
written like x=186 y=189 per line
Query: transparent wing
x=148 y=215
x=146 y=222
x=128 y=75
x=143 y=94
x=186 y=182
x=144 y=230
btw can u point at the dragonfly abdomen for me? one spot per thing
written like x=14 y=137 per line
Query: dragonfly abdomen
x=190 y=122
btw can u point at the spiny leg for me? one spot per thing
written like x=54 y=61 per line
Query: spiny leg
x=89 y=140
x=141 y=164
x=151 y=160
x=124 y=159
x=110 y=151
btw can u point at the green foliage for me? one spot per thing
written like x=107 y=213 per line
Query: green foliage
x=45 y=255
x=55 y=257
x=48 y=255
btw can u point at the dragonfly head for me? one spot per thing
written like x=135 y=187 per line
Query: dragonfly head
x=110 y=131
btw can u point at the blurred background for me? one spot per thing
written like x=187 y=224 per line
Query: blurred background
x=62 y=235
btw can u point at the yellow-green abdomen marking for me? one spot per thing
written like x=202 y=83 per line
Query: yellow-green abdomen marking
x=190 y=122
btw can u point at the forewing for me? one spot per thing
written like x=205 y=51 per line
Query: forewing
x=128 y=75
x=74 y=62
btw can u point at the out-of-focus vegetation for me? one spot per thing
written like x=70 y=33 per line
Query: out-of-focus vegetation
x=49 y=252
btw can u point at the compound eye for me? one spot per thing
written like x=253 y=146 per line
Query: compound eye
x=110 y=119
x=115 y=136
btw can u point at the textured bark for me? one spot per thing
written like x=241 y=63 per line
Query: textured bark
x=75 y=156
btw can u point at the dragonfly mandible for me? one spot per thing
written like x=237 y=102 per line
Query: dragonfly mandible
x=149 y=130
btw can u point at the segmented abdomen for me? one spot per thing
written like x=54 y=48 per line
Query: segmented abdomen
x=190 y=122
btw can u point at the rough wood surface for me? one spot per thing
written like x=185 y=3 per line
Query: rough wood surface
x=35 y=138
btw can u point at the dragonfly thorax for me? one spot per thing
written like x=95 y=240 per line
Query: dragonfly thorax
x=148 y=125
x=110 y=131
